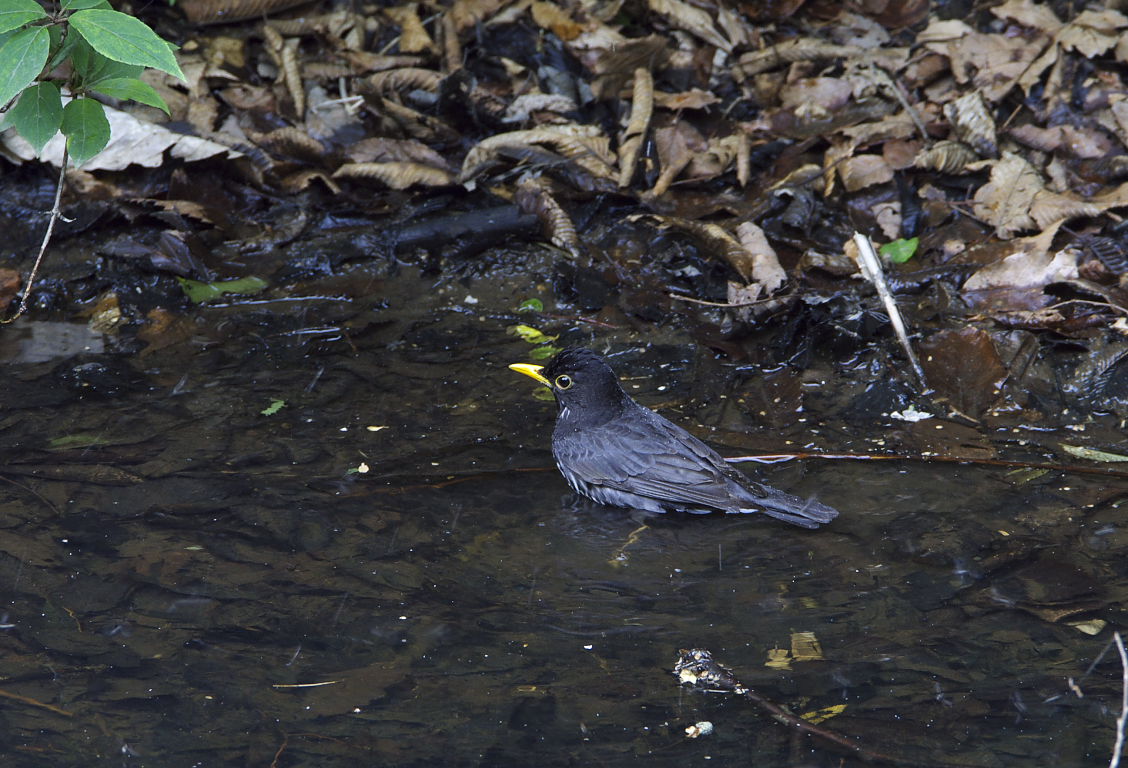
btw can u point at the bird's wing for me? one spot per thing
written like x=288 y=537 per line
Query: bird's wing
x=650 y=457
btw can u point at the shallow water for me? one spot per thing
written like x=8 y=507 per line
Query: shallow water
x=189 y=581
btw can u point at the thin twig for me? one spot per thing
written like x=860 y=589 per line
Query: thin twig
x=1120 y=721
x=724 y=304
x=55 y=215
x=779 y=458
x=871 y=270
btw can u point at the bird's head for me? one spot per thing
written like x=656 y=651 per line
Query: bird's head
x=585 y=387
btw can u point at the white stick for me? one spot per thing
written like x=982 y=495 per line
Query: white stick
x=1120 y=721
x=871 y=270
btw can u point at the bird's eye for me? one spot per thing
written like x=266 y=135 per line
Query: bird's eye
x=563 y=382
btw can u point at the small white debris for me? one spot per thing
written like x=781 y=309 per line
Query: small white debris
x=703 y=728
x=469 y=300
x=911 y=414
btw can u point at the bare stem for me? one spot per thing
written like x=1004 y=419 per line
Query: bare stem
x=54 y=216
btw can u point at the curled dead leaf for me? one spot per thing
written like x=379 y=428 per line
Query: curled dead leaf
x=642 y=108
x=693 y=20
x=227 y=11
x=972 y=123
x=397 y=175
x=584 y=144
x=405 y=79
x=534 y=196
x=946 y=157
x=791 y=51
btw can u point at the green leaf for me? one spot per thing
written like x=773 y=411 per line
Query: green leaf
x=132 y=89
x=126 y=39
x=900 y=251
x=198 y=292
x=274 y=407
x=92 y=67
x=544 y=352
x=531 y=305
x=530 y=334
x=15 y=13
x=38 y=114
x=22 y=57
x=86 y=128
x=82 y=5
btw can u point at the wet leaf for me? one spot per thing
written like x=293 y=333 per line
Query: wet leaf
x=1091 y=454
x=530 y=334
x=531 y=305
x=821 y=715
x=274 y=407
x=544 y=352
x=900 y=251
x=198 y=292
x=964 y=367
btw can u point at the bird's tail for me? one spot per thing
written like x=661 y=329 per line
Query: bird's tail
x=792 y=509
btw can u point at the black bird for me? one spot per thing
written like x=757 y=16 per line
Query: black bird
x=614 y=451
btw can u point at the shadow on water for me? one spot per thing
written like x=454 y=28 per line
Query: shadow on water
x=191 y=581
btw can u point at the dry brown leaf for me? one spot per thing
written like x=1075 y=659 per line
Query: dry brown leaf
x=613 y=58
x=1037 y=16
x=227 y=11
x=1030 y=267
x=1092 y=32
x=766 y=270
x=837 y=153
x=548 y=106
x=642 y=108
x=379 y=150
x=296 y=182
x=715 y=237
x=676 y=145
x=789 y=52
x=1005 y=200
x=972 y=123
x=397 y=175
x=405 y=79
x=825 y=93
x=692 y=99
x=533 y=196
x=553 y=18
x=693 y=20
x=717 y=158
x=946 y=157
x=466 y=13
x=1049 y=207
x=993 y=63
x=413 y=35
x=289 y=141
x=583 y=144
x=861 y=171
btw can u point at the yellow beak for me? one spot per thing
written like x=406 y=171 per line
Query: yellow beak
x=533 y=372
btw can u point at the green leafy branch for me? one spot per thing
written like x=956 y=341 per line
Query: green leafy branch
x=86 y=49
